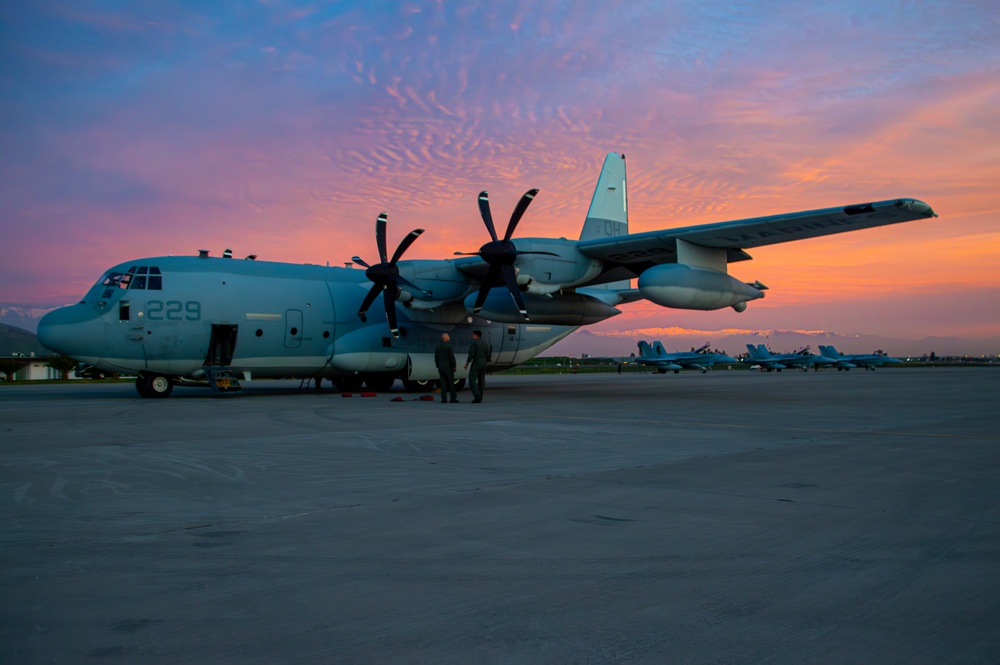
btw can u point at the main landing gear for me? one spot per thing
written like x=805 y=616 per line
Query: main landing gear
x=153 y=385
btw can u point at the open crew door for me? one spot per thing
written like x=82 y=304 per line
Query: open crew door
x=222 y=345
x=220 y=354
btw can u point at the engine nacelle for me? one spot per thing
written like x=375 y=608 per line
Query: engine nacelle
x=685 y=287
x=361 y=351
x=441 y=282
x=567 y=309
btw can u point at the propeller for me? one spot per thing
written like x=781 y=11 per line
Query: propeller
x=501 y=254
x=385 y=276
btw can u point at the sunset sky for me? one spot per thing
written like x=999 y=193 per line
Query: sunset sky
x=282 y=129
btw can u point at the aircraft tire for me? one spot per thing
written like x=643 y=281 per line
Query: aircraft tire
x=157 y=385
x=677 y=371
x=459 y=384
x=418 y=385
x=380 y=382
x=140 y=386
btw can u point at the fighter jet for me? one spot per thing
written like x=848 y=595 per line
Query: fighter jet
x=801 y=359
x=867 y=360
x=654 y=355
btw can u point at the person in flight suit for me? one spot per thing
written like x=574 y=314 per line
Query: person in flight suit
x=479 y=355
x=444 y=358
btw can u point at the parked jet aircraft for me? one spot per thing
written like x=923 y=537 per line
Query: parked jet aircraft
x=801 y=359
x=654 y=355
x=867 y=360
x=213 y=321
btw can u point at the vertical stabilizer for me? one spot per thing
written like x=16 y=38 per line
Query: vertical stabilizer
x=608 y=214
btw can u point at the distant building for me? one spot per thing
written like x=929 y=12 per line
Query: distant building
x=34 y=369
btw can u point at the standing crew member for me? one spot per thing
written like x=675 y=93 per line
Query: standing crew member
x=479 y=355
x=444 y=358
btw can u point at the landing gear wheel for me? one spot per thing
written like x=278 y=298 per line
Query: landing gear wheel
x=459 y=384
x=140 y=386
x=348 y=384
x=156 y=385
x=380 y=382
x=418 y=385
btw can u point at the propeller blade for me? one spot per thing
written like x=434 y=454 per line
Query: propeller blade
x=380 y=235
x=484 y=289
x=484 y=210
x=389 y=296
x=405 y=244
x=402 y=281
x=522 y=205
x=357 y=259
x=510 y=277
x=369 y=299
x=465 y=254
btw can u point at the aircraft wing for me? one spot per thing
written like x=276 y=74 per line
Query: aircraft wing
x=639 y=250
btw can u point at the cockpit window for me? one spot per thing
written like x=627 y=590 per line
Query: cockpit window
x=137 y=277
x=154 y=281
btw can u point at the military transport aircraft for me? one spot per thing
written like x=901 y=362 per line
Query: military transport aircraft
x=213 y=321
x=654 y=355
x=846 y=361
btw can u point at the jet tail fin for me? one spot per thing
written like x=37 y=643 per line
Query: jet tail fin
x=644 y=349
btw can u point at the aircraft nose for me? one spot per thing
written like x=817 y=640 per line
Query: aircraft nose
x=72 y=331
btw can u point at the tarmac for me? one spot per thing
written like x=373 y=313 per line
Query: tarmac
x=729 y=517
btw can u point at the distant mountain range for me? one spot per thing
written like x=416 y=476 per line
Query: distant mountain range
x=24 y=316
